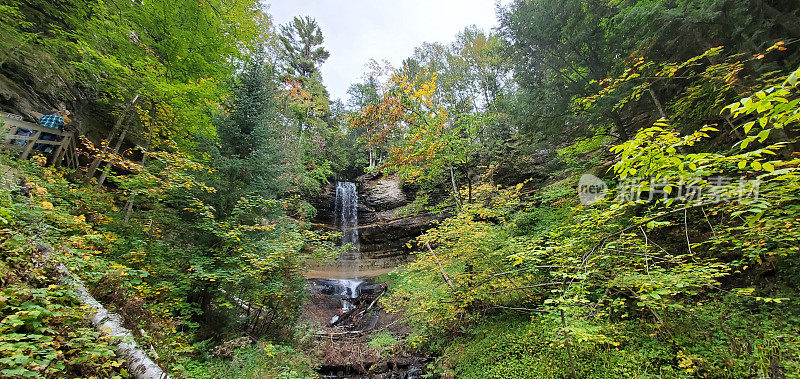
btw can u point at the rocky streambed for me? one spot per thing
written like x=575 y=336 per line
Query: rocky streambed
x=354 y=336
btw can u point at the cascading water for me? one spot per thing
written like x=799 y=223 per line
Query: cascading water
x=347 y=219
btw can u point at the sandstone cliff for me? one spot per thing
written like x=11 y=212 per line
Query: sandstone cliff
x=385 y=223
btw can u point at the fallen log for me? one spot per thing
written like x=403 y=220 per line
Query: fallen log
x=363 y=304
x=140 y=366
x=243 y=305
x=339 y=334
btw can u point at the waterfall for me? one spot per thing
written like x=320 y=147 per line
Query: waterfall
x=347 y=220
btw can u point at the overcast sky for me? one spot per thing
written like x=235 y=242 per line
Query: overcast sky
x=359 y=30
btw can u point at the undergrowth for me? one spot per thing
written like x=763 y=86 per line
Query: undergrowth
x=44 y=331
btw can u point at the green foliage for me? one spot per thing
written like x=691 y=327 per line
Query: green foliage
x=159 y=275
x=383 y=342
x=263 y=360
x=718 y=339
x=211 y=223
x=745 y=27
x=43 y=330
x=173 y=55
x=210 y=218
x=538 y=218
x=442 y=289
x=575 y=155
x=558 y=48
x=421 y=140
x=563 y=51
x=517 y=348
x=646 y=257
x=44 y=333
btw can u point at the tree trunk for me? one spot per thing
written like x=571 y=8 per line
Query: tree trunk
x=115 y=151
x=455 y=187
x=441 y=269
x=129 y=205
x=657 y=103
x=98 y=160
x=620 y=126
x=469 y=187
x=568 y=343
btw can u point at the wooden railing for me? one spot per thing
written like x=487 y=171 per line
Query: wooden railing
x=64 y=150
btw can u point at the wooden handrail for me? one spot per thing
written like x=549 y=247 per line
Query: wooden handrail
x=41 y=142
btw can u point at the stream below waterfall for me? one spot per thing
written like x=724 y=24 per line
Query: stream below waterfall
x=346 y=208
x=348 y=290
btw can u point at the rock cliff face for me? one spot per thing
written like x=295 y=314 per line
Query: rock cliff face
x=385 y=225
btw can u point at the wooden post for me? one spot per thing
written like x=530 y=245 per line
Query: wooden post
x=108 y=165
x=29 y=145
x=75 y=160
x=57 y=154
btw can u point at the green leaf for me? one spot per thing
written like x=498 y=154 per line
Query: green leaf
x=756 y=165
x=763 y=135
x=742 y=165
x=748 y=126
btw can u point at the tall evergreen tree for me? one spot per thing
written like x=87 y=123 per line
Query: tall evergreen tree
x=301 y=40
x=560 y=49
x=249 y=158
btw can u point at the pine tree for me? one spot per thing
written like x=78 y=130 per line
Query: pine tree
x=302 y=40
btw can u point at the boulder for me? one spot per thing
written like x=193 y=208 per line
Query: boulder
x=381 y=193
